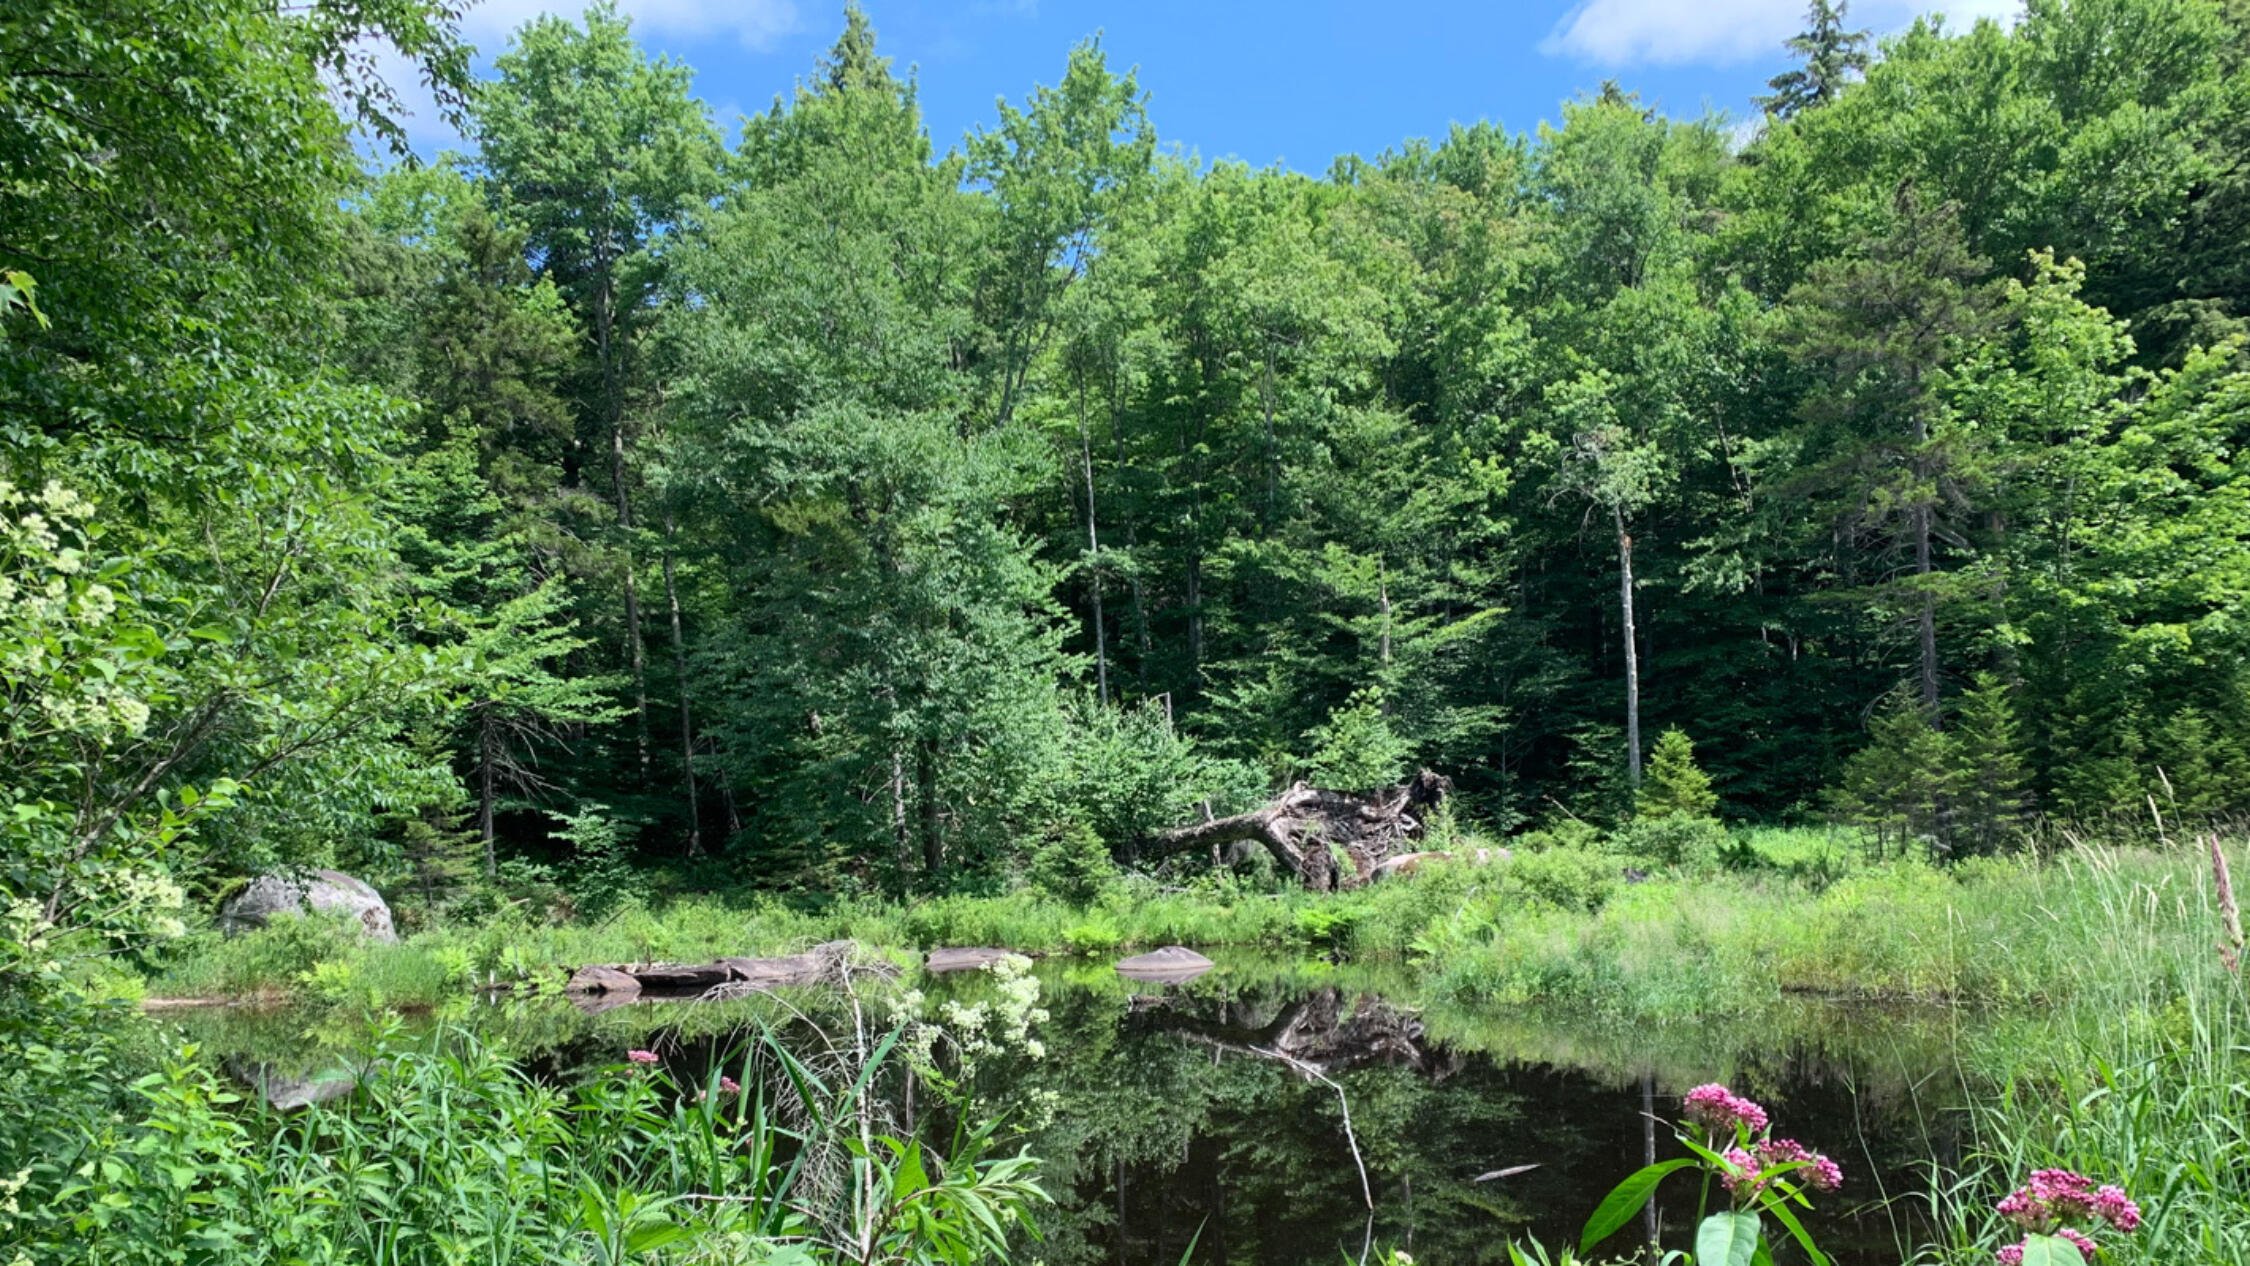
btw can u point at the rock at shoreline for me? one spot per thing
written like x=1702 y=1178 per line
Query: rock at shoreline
x=1174 y=964
x=300 y=892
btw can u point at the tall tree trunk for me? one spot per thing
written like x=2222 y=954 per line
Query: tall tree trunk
x=1632 y=652
x=902 y=835
x=1383 y=595
x=613 y=409
x=1927 y=617
x=1273 y=447
x=1093 y=551
x=925 y=780
x=1141 y=641
x=487 y=757
x=687 y=718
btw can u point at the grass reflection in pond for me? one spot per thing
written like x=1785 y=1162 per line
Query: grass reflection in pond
x=1166 y=1115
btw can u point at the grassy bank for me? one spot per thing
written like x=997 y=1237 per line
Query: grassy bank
x=2109 y=1038
x=2138 y=1072
x=1796 y=912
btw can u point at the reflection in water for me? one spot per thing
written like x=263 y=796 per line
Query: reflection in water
x=1214 y=1112
x=1206 y=1115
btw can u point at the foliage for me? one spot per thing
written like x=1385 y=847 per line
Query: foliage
x=1676 y=787
x=1567 y=879
x=1072 y=865
x=1673 y=840
x=1355 y=749
x=446 y=1147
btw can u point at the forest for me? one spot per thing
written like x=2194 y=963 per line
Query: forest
x=802 y=523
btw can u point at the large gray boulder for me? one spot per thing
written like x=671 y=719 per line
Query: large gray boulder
x=307 y=891
x=1172 y=965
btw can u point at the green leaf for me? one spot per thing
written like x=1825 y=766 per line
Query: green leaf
x=1727 y=1238
x=1618 y=1207
x=654 y=1235
x=1797 y=1232
x=2050 y=1250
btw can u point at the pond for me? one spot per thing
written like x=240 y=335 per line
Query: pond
x=1212 y=1114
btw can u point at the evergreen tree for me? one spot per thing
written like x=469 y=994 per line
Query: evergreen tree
x=1889 y=462
x=1991 y=782
x=1831 y=56
x=1676 y=786
x=1354 y=749
x=602 y=155
x=1901 y=783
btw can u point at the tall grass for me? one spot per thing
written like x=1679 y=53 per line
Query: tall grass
x=2139 y=1073
x=1807 y=913
x=449 y=1153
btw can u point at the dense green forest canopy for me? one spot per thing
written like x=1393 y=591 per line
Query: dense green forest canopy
x=863 y=509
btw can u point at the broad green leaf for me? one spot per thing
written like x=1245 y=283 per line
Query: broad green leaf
x=1727 y=1238
x=1625 y=1200
x=2050 y=1250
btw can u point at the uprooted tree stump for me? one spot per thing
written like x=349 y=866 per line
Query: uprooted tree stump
x=1306 y=829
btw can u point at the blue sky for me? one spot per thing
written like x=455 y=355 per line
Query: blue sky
x=1296 y=83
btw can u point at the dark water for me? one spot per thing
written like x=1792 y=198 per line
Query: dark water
x=1213 y=1113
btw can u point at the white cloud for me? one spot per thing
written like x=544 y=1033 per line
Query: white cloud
x=1718 y=32
x=758 y=24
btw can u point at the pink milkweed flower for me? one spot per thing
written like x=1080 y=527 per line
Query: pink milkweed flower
x=2084 y=1244
x=641 y=1057
x=1717 y=1108
x=729 y=1086
x=2112 y=1206
x=1820 y=1173
x=1744 y=1174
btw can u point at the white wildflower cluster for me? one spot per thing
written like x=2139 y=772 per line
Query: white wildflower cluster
x=992 y=1026
x=11 y=1207
x=145 y=901
x=53 y=618
x=25 y=937
x=917 y=1038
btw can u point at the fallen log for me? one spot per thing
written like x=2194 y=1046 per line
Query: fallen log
x=822 y=964
x=941 y=961
x=1305 y=829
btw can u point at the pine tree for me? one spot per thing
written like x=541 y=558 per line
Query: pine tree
x=1888 y=459
x=1831 y=56
x=1355 y=748
x=1991 y=782
x=1676 y=786
x=1899 y=784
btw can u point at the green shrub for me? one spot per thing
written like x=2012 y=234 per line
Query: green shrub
x=1557 y=833
x=1567 y=879
x=1072 y=865
x=1676 y=786
x=1327 y=925
x=1355 y=749
x=1673 y=840
x=1093 y=936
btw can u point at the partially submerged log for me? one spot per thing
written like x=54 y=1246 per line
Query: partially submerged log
x=822 y=964
x=1306 y=828
x=978 y=958
x=599 y=979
